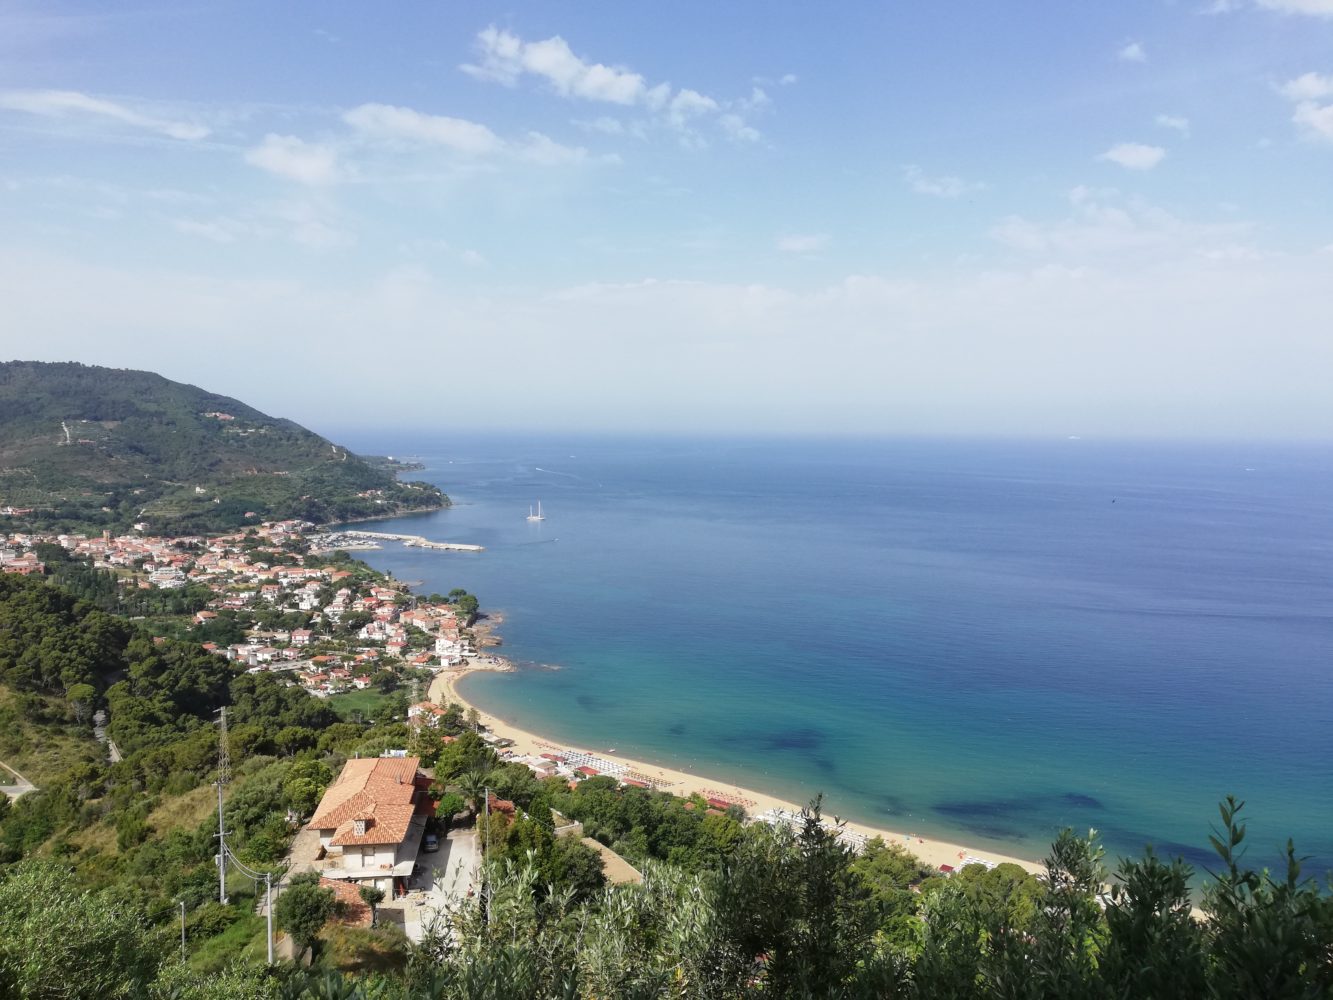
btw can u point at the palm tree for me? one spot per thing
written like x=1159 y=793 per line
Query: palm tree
x=472 y=786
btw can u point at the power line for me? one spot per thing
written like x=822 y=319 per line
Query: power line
x=225 y=853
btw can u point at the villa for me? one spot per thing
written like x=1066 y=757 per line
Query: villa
x=371 y=821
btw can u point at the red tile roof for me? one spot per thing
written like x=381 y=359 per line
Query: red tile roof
x=380 y=790
x=355 y=912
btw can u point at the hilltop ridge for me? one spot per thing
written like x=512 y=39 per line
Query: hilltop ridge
x=83 y=447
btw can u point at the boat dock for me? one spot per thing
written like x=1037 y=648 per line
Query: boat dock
x=371 y=539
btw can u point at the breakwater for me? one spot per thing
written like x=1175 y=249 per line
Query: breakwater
x=364 y=540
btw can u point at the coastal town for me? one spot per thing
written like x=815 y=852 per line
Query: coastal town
x=323 y=622
x=276 y=598
x=284 y=598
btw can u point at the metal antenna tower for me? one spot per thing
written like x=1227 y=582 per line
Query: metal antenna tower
x=224 y=751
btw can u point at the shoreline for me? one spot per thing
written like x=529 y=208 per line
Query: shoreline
x=384 y=517
x=934 y=853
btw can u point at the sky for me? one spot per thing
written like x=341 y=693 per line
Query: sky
x=996 y=218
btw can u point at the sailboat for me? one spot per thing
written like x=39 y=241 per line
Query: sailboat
x=539 y=516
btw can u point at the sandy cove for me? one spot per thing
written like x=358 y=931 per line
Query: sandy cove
x=933 y=852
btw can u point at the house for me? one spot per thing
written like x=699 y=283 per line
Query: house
x=424 y=713
x=371 y=821
x=541 y=768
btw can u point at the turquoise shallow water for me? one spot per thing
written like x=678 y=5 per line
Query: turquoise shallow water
x=977 y=641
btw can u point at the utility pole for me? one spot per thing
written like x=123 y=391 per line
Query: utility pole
x=268 y=906
x=182 y=930
x=485 y=882
x=224 y=775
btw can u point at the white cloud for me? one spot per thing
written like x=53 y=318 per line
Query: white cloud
x=71 y=103
x=505 y=58
x=1308 y=87
x=735 y=127
x=757 y=101
x=604 y=124
x=1315 y=119
x=1317 y=8
x=803 y=244
x=309 y=224
x=1133 y=52
x=1104 y=224
x=293 y=158
x=216 y=230
x=1029 y=348
x=788 y=79
x=385 y=121
x=546 y=151
x=939 y=187
x=1306 y=91
x=689 y=104
x=1134 y=155
x=1176 y=122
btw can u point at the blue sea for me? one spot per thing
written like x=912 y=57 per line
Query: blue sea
x=972 y=640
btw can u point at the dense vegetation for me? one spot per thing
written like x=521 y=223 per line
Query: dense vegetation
x=726 y=910
x=98 y=447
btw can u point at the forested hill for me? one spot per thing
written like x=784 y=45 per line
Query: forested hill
x=83 y=446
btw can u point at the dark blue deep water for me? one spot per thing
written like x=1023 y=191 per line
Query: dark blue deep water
x=982 y=641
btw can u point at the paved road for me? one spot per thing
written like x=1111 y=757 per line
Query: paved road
x=448 y=874
x=21 y=785
x=454 y=865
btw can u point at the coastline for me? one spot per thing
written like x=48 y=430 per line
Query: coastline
x=934 y=853
x=385 y=517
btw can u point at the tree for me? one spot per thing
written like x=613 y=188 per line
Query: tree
x=303 y=908
x=468 y=752
x=472 y=786
x=81 y=698
x=62 y=942
x=449 y=806
x=1269 y=937
x=1154 y=949
x=372 y=897
x=572 y=864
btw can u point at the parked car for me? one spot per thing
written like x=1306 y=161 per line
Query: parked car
x=431 y=843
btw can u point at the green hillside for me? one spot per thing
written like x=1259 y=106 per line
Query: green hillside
x=83 y=446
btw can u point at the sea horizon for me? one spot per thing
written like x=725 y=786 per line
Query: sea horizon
x=975 y=640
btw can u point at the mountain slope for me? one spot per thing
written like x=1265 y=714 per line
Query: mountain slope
x=89 y=446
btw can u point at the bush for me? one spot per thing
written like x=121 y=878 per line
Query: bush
x=210 y=920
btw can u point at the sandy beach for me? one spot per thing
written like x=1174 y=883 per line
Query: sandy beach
x=444 y=688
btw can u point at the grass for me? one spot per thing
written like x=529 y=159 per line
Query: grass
x=244 y=940
x=366 y=702
x=43 y=758
x=184 y=811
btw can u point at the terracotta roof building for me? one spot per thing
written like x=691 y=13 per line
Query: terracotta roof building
x=371 y=821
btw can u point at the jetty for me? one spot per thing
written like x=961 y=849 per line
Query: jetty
x=353 y=540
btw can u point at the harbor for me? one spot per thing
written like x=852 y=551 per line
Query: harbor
x=362 y=541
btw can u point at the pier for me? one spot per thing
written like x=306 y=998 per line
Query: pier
x=351 y=540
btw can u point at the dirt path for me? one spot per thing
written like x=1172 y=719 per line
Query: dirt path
x=21 y=785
